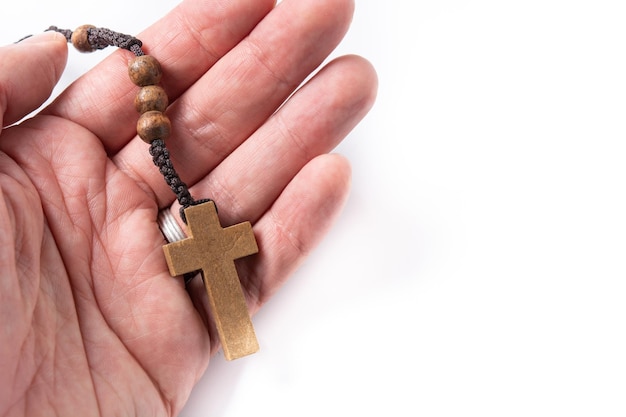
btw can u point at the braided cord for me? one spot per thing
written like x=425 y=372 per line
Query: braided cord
x=100 y=38
x=161 y=158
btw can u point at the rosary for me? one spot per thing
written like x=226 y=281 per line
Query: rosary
x=209 y=248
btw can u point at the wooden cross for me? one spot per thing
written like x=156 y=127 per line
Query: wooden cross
x=212 y=249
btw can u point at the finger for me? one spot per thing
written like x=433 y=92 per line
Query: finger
x=29 y=70
x=242 y=90
x=286 y=233
x=294 y=225
x=187 y=42
x=311 y=123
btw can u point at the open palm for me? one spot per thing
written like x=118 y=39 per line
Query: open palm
x=91 y=323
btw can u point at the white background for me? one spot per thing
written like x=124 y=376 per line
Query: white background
x=479 y=267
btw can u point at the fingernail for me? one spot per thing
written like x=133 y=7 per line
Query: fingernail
x=44 y=37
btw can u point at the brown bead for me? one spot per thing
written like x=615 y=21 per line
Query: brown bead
x=145 y=70
x=151 y=97
x=153 y=125
x=80 y=38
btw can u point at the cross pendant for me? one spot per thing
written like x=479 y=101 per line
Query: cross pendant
x=213 y=249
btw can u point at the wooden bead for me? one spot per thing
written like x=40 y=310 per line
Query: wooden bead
x=151 y=97
x=80 y=38
x=145 y=70
x=153 y=125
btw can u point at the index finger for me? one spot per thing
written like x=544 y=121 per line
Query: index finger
x=187 y=42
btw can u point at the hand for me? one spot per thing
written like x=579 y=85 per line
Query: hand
x=91 y=323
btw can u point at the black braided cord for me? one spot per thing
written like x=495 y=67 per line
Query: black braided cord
x=100 y=38
x=161 y=158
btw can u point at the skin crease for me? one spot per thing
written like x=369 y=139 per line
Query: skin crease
x=91 y=322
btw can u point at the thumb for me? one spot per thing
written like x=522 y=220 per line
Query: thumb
x=29 y=70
